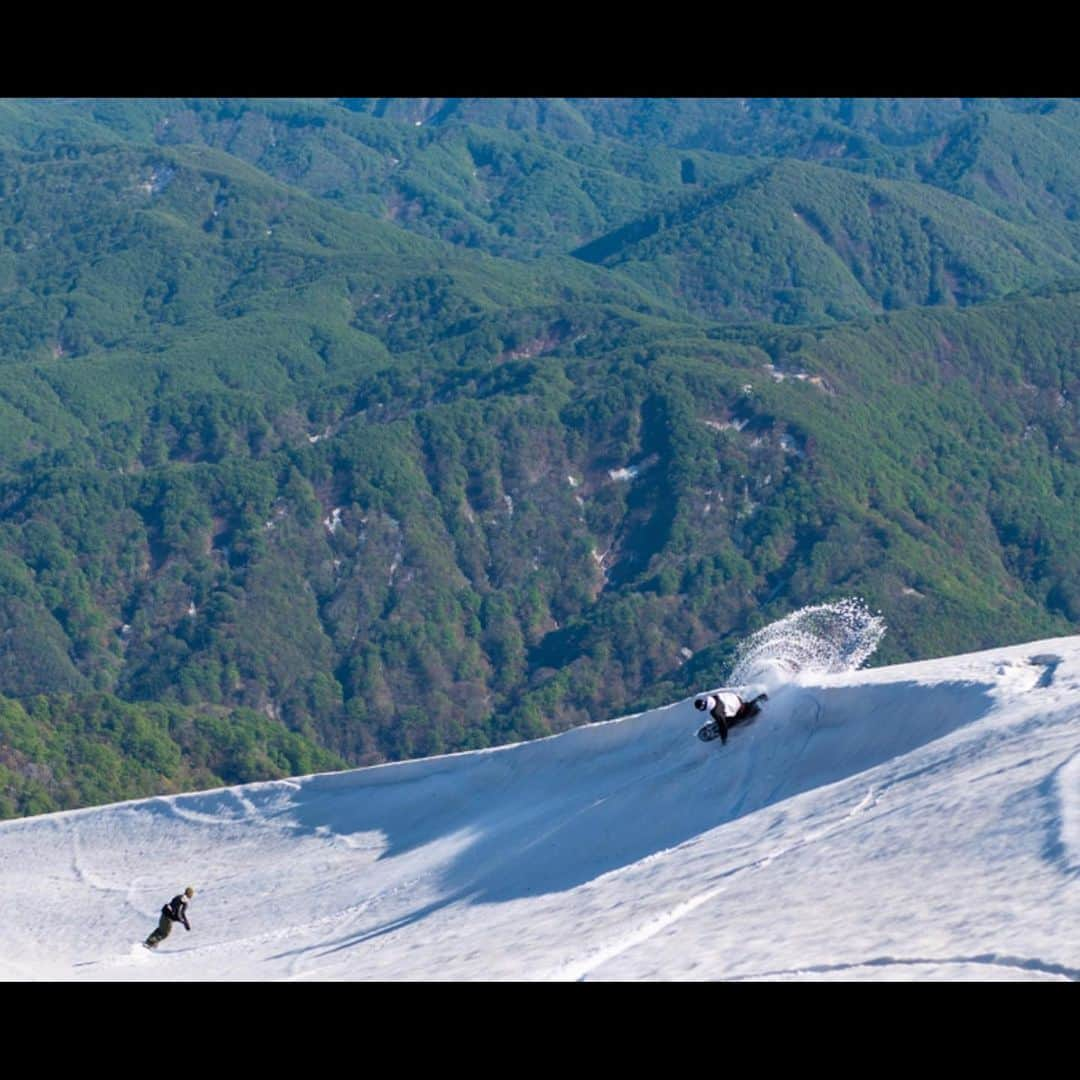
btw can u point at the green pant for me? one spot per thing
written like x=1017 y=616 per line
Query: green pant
x=161 y=933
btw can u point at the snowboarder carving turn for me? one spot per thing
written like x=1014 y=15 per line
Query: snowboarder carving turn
x=174 y=911
x=727 y=710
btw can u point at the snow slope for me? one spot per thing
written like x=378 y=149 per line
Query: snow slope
x=920 y=821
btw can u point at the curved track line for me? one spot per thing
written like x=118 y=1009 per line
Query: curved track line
x=576 y=972
x=1045 y=967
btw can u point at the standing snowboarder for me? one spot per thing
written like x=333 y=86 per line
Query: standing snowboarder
x=726 y=709
x=174 y=911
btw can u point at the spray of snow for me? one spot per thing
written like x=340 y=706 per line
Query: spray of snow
x=822 y=639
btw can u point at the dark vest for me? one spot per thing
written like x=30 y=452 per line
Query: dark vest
x=176 y=908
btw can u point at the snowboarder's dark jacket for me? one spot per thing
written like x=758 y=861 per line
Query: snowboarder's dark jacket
x=176 y=909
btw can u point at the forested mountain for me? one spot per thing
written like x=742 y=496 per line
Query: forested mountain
x=795 y=243
x=339 y=431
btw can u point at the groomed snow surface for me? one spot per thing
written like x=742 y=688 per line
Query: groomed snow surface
x=920 y=821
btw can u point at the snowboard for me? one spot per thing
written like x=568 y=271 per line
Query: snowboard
x=708 y=732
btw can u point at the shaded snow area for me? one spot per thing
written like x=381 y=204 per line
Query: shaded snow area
x=920 y=821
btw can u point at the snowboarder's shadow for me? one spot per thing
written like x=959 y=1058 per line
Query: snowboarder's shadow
x=328 y=948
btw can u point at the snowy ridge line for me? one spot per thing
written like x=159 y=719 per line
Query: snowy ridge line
x=397 y=772
x=389 y=772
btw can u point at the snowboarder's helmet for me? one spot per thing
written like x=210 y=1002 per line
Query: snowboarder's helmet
x=189 y=891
